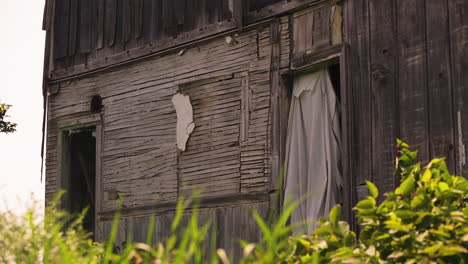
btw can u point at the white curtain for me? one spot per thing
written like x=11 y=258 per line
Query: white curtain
x=313 y=150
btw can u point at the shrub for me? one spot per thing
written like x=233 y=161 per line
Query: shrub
x=423 y=221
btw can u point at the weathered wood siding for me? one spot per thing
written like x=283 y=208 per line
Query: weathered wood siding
x=407 y=77
x=92 y=30
x=229 y=88
x=403 y=70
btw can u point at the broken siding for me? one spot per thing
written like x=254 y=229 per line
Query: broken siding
x=139 y=154
x=140 y=157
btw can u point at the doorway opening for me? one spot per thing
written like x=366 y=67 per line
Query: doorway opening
x=313 y=160
x=79 y=174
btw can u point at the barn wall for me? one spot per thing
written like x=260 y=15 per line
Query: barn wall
x=404 y=73
x=407 y=76
x=228 y=82
x=229 y=154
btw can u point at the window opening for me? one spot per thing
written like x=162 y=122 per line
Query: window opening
x=79 y=174
x=313 y=141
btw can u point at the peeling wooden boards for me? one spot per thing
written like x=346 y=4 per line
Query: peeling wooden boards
x=217 y=115
x=315 y=29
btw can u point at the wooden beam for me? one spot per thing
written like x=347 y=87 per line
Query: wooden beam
x=210 y=202
x=238 y=13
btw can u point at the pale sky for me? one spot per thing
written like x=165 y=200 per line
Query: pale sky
x=21 y=62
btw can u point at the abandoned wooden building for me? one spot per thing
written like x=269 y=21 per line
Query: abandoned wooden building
x=153 y=99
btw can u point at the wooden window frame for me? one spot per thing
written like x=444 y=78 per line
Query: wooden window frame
x=89 y=121
x=333 y=55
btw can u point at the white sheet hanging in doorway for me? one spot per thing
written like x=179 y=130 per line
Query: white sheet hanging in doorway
x=313 y=150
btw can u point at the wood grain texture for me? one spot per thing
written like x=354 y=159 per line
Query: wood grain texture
x=458 y=10
x=383 y=70
x=412 y=75
x=61 y=22
x=440 y=104
x=360 y=88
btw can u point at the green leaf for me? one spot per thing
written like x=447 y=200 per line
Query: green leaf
x=417 y=201
x=406 y=187
x=335 y=214
x=427 y=175
x=443 y=186
x=365 y=204
x=374 y=192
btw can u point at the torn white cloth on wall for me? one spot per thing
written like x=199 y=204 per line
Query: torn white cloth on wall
x=313 y=150
x=185 y=124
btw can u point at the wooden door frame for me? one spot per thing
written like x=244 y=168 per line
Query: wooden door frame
x=333 y=55
x=76 y=123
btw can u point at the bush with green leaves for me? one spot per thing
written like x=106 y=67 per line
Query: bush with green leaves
x=423 y=221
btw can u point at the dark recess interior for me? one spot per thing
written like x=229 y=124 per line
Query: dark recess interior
x=334 y=71
x=81 y=191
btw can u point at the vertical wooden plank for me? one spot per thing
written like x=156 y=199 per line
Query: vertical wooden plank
x=168 y=17
x=190 y=15
x=238 y=13
x=336 y=24
x=458 y=17
x=245 y=110
x=321 y=28
x=383 y=69
x=61 y=23
x=359 y=80
x=110 y=26
x=85 y=26
x=157 y=21
x=73 y=27
x=100 y=24
x=119 y=27
x=138 y=18
x=412 y=79
x=439 y=82
x=179 y=12
x=225 y=12
x=126 y=20
x=98 y=184
x=147 y=17
x=275 y=111
x=302 y=34
x=211 y=10
x=308 y=21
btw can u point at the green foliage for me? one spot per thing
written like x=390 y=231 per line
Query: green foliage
x=5 y=127
x=60 y=238
x=423 y=221
x=30 y=238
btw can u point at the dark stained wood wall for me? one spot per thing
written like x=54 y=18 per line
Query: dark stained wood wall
x=87 y=30
x=407 y=76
